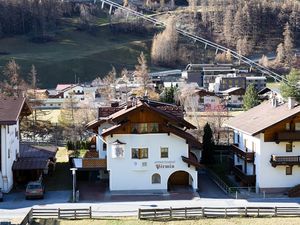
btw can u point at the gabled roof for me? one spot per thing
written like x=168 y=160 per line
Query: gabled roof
x=261 y=117
x=12 y=108
x=169 y=111
x=43 y=152
x=61 y=87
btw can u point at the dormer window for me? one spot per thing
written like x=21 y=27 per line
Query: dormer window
x=118 y=149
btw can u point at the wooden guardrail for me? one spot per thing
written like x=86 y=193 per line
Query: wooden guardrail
x=34 y=213
x=194 y=212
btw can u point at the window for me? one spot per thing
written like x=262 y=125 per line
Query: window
x=238 y=138
x=156 y=178
x=289 y=147
x=297 y=126
x=288 y=170
x=139 y=153
x=287 y=126
x=141 y=128
x=164 y=152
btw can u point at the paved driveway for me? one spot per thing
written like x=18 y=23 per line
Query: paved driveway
x=208 y=189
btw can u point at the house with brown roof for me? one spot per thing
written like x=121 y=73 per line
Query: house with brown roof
x=146 y=146
x=267 y=146
x=11 y=112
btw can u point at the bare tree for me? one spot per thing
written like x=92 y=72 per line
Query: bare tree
x=164 y=45
x=142 y=72
x=288 y=44
x=13 y=84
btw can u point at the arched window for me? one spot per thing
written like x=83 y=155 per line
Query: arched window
x=156 y=178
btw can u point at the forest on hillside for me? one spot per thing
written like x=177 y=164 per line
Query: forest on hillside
x=252 y=27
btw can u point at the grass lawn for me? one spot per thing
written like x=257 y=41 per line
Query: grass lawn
x=76 y=53
x=132 y=221
x=61 y=179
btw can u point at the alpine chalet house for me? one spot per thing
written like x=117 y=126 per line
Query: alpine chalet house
x=11 y=111
x=147 y=146
x=267 y=146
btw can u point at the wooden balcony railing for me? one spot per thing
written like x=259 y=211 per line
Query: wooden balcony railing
x=288 y=136
x=284 y=160
x=247 y=179
x=248 y=156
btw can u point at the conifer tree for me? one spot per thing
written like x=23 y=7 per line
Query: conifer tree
x=250 y=98
x=290 y=88
x=208 y=145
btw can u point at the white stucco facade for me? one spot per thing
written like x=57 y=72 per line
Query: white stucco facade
x=275 y=177
x=9 y=150
x=126 y=173
x=268 y=178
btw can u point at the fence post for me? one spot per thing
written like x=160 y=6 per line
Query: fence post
x=185 y=212
x=75 y=214
x=258 y=212
x=246 y=211
x=139 y=214
x=203 y=212
x=236 y=195
x=31 y=215
x=58 y=213
x=90 y=212
x=154 y=213
x=225 y=212
x=170 y=212
x=275 y=211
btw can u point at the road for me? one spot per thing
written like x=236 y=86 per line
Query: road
x=15 y=209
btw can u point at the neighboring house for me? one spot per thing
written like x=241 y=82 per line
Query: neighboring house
x=11 y=112
x=146 y=146
x=225 y=82
x=233 y=97
x=203 y=74
x=258 y=82
x=267 y=146
x=208 y=99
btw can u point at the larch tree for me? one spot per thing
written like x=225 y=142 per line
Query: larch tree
x=288 y=44
x=264 y=61
x=110 y=84
x=250 y=98
x=228 y=27
x=165 y=44
x=280 y=55
x=13 y=84
x=142 y=72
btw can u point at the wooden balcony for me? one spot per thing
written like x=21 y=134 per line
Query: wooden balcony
x=248 y=156
x=247 y=179
x=284 y=160
x=288 y=136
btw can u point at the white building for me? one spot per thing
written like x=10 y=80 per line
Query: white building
x=267 y=146
x=146 y=147
x=11 y=111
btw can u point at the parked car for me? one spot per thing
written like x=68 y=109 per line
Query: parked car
x=1 y=195
x=35 y=189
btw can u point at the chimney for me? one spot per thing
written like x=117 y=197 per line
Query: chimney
x=291 y=102
x=274 y=102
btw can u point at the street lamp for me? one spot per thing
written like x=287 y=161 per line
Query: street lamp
x=74 y=181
